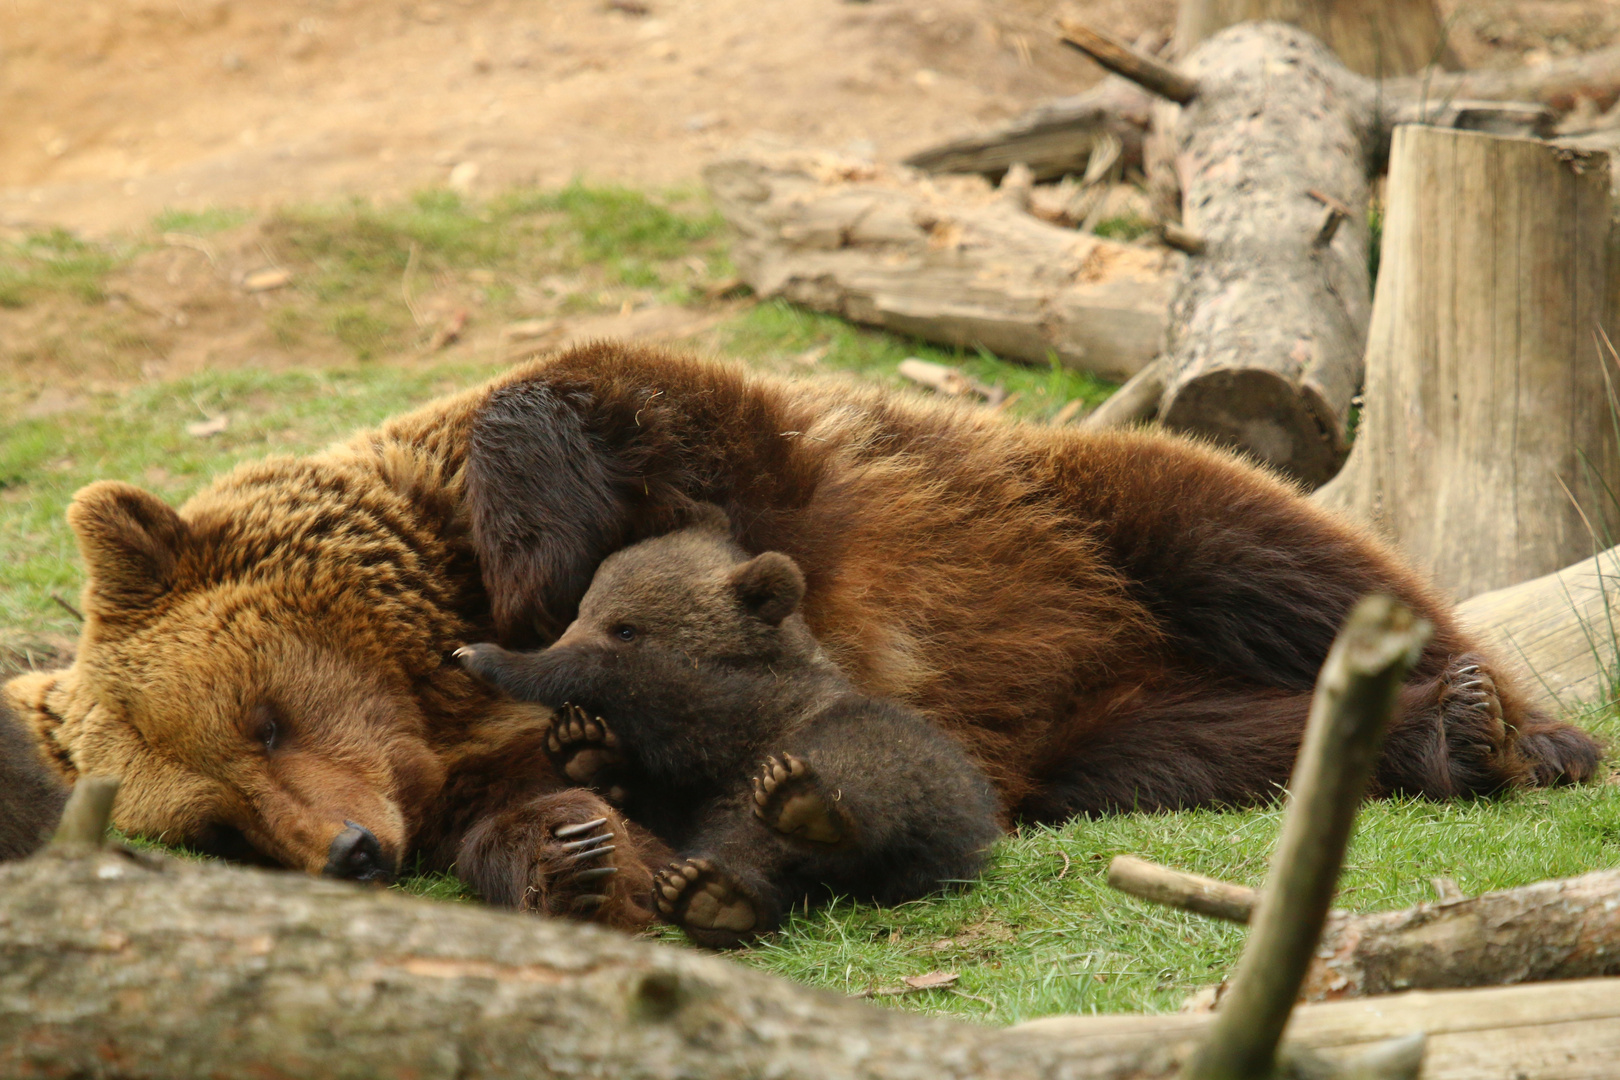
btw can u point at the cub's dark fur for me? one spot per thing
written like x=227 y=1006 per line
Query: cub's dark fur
x=700 y=668
x=31 y=795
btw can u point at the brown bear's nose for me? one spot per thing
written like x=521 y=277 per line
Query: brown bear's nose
x=355 y=855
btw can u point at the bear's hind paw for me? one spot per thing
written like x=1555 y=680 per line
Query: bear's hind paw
x=584 y=748
x=790 y=798
x=706 y=902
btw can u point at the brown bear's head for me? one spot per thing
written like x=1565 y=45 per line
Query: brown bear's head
x=268 y=663
x=694 y=591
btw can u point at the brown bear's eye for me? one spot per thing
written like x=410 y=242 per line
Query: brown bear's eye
x=624 y=632
x=265 y=729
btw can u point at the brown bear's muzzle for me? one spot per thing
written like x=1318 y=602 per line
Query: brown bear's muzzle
x=355 y=855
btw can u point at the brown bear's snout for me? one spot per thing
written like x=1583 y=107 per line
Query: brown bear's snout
x=355 y=855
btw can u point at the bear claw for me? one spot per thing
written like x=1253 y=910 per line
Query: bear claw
x=790 y=798
x=581 y=745
x=696 y=895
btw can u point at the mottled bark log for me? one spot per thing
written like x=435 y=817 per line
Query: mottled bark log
x=1567 y=928
x=137 y=968
x=1053 y=139
x=947 y=262
x=1488 y=433
x=1373 y=37
x=1558 y=83
x=1355 y=698
x=1562 y=628
x=1267 y=328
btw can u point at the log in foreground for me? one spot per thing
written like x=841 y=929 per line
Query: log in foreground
x=1550 y=930
x=1355 y=698
x=1488 y=434
x=138 y=967
x=946 y=261
x=1268 y=327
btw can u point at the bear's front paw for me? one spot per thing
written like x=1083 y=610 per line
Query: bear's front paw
x=790 y=797
x=707 y=902
x=585 y=750
x=485 y=659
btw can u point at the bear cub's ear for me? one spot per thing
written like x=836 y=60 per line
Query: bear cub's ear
x=769 y=586
x=706 y=517
x=130 y=540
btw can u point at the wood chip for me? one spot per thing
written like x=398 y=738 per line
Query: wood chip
x=1068 y=412
x=203 y=429
x=911 y=984
x=947 y=380
x=271 y=277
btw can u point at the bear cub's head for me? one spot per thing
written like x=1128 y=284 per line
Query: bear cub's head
x=696 y=592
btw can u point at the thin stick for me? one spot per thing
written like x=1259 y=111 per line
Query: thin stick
x=1122 y=59
x=88 y=810
x=67 y=607
x=1135 y=402
x=1355 y=697
x=1178 y=889
x=1181 y=238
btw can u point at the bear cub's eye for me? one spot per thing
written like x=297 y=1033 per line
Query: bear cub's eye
x=624 y=632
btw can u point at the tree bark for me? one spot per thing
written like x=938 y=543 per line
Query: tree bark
x=1053 y=139
x=1563 y=628
x=1267 y=328
x=1489 y=428
x=950 y=263
x=1379 y=38
x=1567 y=928
x=134 y=967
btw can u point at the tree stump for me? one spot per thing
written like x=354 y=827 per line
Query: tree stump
x=1267 y=328
x=1370 y=37
x=1489 y=430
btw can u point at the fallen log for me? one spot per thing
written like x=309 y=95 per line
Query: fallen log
x=1488 y=432
x=1267 y=328
x=1550 y=930
x=1563 y=628
x=944 y=261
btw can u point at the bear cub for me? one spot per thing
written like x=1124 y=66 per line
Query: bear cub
x=691 y=692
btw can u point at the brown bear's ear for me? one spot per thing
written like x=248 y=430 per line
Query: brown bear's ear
x=131 y=541
x=770 y=586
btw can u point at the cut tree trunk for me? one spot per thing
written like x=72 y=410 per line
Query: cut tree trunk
x=1268 y=325
x=1562 y=628
x=1371 y=37
x=1488 y=432
x=137 y=968
x=1547 y=931
x=949 y=262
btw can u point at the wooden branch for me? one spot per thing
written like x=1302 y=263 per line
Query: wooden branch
x=1355 y=697
x=1136 y=402
x=87 y=813
x=1054 y=139
x=946 y=261
x=1183 y=239
x=1178 y=889
x=1558 y=83
x=1487 y=432
x=162 y=969
x=1121 y=59
x=1550 y=930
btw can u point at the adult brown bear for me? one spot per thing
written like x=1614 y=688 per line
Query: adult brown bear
x=1103 y=621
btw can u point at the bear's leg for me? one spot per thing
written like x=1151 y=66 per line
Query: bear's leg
x=1451 y=739
x=564 y=854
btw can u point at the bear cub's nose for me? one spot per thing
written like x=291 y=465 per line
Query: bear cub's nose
x=355 y=855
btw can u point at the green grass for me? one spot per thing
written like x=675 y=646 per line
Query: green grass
x=356 y=264
x=56 y=262
x=213 y=219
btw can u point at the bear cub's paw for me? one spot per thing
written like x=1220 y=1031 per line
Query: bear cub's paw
x=584 y=749
x=704 y=900
x=790 y=798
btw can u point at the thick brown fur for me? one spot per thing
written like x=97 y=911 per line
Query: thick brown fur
x=1102 y=621
x=31 y=793
x=714 y=717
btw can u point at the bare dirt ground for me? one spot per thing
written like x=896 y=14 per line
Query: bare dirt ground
x=116 y=110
